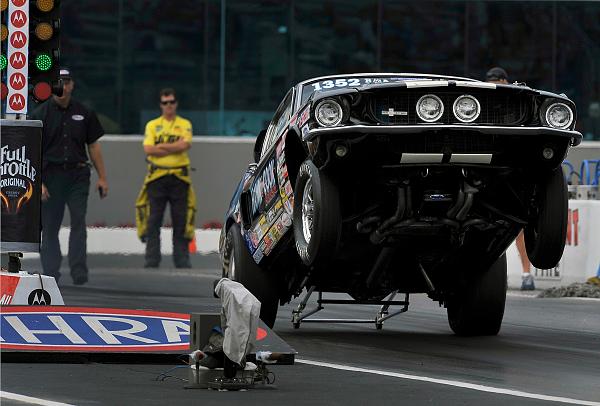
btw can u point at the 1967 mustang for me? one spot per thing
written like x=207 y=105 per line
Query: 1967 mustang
x=377 y=184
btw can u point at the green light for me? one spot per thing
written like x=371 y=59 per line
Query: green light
x=3 y=62
x=43 y=62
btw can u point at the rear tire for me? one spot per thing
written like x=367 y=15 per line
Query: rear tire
x=478 y=308
x=317 y=218
x=546 y=235
x=238 y=265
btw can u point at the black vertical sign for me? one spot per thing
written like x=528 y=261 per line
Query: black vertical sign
x=20 y=185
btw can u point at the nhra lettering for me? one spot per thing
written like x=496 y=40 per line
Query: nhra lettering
x=264 y=188
x=74 y=330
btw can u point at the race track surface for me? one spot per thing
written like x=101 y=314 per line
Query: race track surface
x=548 y=352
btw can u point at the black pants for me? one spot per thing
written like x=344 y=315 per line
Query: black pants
x=168 y=189
x=68 y=187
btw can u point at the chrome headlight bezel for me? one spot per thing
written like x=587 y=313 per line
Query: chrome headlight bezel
x=338 y=107
x=429 y=119
x=559 y=104
x=478 y=106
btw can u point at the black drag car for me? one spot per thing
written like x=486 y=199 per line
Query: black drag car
x=377 y=184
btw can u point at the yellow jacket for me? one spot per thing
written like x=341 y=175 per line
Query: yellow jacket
x=142 y=203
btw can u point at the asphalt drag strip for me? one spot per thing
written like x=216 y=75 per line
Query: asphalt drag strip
x=548 y=352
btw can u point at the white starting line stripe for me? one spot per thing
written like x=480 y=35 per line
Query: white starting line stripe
x=30 y=400
x=458 y=384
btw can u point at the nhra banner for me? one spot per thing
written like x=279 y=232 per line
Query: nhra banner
x=28 y=328
x=88 y=329
x=20 y=185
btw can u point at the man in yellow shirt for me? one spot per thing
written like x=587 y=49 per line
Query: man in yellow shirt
x=167 y=140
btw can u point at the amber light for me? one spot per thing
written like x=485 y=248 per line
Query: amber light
x=4 y=32
x=3 y=5
x=45 y=5
x=44 y=31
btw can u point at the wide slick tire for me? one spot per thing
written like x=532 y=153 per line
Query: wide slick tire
x=238 y=265
x=546 y=235
x=477 y=309
x=317 y=219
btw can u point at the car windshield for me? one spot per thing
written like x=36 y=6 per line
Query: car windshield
x=337 y=82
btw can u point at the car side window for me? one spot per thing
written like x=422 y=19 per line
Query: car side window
x=280 y=120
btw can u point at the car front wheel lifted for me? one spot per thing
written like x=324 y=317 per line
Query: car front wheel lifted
x=317 y=218
x=546 y=234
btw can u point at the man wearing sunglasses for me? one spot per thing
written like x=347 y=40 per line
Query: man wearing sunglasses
x=167 y=140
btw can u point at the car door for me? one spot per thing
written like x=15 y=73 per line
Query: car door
x=261 y=202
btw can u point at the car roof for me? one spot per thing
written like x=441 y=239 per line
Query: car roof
x=402 y=74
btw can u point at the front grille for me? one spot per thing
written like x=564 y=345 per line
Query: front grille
x=448 y=143
x=498 y=106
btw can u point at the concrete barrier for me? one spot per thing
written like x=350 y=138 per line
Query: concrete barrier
x=124 y=241
x=219 y=162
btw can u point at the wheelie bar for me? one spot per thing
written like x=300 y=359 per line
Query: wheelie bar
x=382 y=315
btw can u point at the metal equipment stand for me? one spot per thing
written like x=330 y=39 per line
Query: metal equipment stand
x=382 y=315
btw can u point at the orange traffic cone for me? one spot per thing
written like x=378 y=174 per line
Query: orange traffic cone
x=192 y=246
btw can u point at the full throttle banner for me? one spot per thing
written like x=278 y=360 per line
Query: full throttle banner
x=20 y=185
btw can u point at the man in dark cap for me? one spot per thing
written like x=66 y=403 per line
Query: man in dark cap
x=496 y=75
x=68 y=128
x=499 y=75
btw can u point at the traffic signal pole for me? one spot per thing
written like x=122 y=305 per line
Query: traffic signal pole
x=29 y=62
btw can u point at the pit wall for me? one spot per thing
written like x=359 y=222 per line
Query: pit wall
x=219 y=163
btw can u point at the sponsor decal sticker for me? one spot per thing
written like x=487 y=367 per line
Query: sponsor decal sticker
x=39 y=297
x=18 y=18
x=286 y=219
x=288 y=188
x=264 y=188
x=17 y=81
x=305 y=130
x=17 y=71
x=17 y=177
x=17 y=60
x=8 y=286
x=289 y=206
x=258 y=255
x=18 y=40
x=304 y=116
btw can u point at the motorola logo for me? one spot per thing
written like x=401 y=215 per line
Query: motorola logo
x=39 y=297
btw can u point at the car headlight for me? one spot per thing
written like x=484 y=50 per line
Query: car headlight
x=329 y=113
x=466 y=108
x=430 y=108
x=559 y=115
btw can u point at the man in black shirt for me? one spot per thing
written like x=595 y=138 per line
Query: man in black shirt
x=68 y=128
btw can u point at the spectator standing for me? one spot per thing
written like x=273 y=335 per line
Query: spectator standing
x=166 y=142
x=499 y=75
x=68 y=128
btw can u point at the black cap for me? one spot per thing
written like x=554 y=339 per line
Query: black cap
x=65 y=73
x=496 y=73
